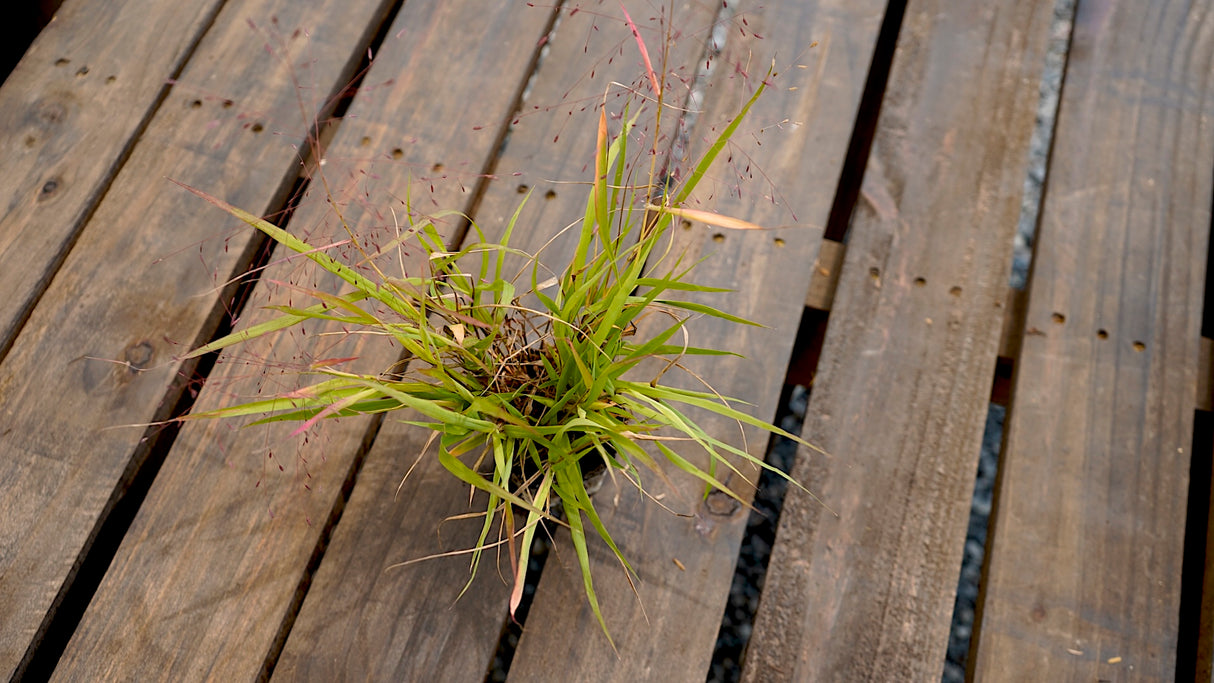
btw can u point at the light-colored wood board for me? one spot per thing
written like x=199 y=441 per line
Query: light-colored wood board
x=230 y=559
x=69 y=113
x=1085 y=561
x=825 y=279
x=900 y=399
x=686 y=563
x=99 y=351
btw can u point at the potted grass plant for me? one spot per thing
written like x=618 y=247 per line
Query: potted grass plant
x=533 y=390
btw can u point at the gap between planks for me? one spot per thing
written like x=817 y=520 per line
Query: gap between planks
x=826 y=278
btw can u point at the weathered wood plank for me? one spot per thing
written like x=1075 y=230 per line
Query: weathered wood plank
x=826 y=279
x=230 y=565
x=668 y=634
x=69 y=113
x=98 y=352
x=363 y=620
x=358 y=619
x=1085 y=561
x=899 y=400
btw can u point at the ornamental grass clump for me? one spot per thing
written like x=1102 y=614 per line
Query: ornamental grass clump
x=531 y=387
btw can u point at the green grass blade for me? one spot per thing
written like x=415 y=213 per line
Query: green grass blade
x=320 y=258
x=577 y=533
x=719 y=144
x=707 y=310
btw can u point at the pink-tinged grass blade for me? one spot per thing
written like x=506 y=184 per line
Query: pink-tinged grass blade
x=653 y=77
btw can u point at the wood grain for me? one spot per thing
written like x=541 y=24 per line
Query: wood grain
x=230 y=560
x=900 y=398
x=99 y=351
x=69 y=113
x=364 y=619
x=360 y=618
x=1085 y=561
x=686 y=563
x=826 y=279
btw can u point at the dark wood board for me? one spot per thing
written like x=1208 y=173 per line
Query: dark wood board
x=230 y=560
x=366 y=619
x=361 y=618
x=686 y=564
x=69 y=113
x=1203 y=666
x=1089 y=523
x=99 y=351
x=900 y=398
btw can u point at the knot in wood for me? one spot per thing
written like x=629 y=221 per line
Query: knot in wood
x=49 y=189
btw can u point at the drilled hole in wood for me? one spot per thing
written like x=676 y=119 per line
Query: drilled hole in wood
x=110 y=79
x=257 y=128
x=1139 y=346
x=718 y=238
x=195 y=104
x=1102 y=334
x=62 y=61
x=522 y=189
x=227 y=104
x=1058 y=318
x=720 y=504
x=437 y=168
x=955 y=291
x=550 y=195
x=398 y=153
x=82 y=72
x=365 y=142
x=686 y=224
x=30 y=140
x=920 y=282
x=779 y=242
x=874 y=273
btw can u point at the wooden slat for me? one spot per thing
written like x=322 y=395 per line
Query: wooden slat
x=1085 y=563
x=826 y=277
x=69 y=112
x=361 y=619
x=99 y=351
x=230 y=561
x=686 y=564
x=900 y=397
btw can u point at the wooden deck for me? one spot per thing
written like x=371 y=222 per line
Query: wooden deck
x=205 y=552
